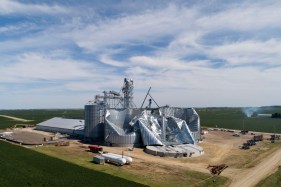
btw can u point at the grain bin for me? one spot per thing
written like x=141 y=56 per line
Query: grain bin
x=93 y=125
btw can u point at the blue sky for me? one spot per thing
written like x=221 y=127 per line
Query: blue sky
x=60 y=54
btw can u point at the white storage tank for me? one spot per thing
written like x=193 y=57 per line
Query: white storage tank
x=114 y=159
x=127 y=158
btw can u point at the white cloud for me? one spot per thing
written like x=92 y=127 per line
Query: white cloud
x=14 y=7
x=186 y=43
x=146 y=27
x=137 y=70
x=155 y=62
x=107 y=60
x=246 y=16
x=213 y=87
x=249 y=52
x=37 y=66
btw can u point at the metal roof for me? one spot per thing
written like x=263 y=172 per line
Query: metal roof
x=72 y=124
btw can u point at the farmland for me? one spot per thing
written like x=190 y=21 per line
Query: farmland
x=231 y=118
x=31 y=168
x=22 y=167
x=145 y=169
x=37 y=115
x=37 y=169
x=158 y=171
x=234 y=118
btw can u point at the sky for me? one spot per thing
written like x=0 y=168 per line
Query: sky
x=60 y=54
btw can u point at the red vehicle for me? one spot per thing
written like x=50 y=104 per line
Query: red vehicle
x=217 y=169
x=95 y=148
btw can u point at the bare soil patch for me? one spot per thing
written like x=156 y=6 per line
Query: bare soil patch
x=28 y=136
x=219 y=147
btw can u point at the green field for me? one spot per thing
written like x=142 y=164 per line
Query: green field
x=6 y=122
x=22 y=167
x=38 y=115
x=234 y=118
x=31 y=168
x=180 y=177
x=231 y=118
x=273 y=180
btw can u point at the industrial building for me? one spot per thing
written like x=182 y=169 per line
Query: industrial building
x=63 y=126
x=112 y=119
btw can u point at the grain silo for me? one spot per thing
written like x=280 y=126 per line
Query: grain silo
x=113 y=119
x=94 y=126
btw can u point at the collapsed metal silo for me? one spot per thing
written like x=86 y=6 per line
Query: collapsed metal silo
x=193 y=121
x=118 y=132
x=94 y=126
x=113 y=119
x=189 y=115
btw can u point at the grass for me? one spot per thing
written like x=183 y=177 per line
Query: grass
x=22 y=167
x=254 y=155
x=231 y=118
x=37 y=115
x=58 y=167
x=156 y=175
x=266 y=149
x=234 y=118
x=273 y=180
x=6 y=122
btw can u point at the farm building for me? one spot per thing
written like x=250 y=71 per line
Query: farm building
x=63 y=126
x=112 y=119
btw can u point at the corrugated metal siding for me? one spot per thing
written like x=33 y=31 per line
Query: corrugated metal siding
x=61 y=125
x=114 y=132
x=93 y=128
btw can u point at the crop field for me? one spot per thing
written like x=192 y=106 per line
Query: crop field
x=38 y=115
x=22 y=167
x=32 y=168
x=6 y=122
x=235 y=118
x=231 y=118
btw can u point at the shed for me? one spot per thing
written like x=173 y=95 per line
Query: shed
x=63 y=126
x=98 y=159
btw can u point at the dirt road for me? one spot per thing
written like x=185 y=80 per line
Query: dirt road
x=15 y=118
x=220 y=147
x=251 y=177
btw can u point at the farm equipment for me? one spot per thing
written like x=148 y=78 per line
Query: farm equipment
x=217 y=169
x=236 y=135
x=245 y=146
x=95 y=148
x=251 y=142
x=244 y=132
x=274 y=137
x=257 y=138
